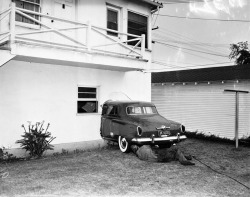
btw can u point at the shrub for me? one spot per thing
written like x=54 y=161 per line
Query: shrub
x=6 y=157
x=36 y=140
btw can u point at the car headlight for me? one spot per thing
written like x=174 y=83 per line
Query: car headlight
x=139 y=130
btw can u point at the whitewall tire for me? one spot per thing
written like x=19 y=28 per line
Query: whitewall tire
x=123 y=144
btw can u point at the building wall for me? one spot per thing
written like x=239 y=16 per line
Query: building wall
x=36 y=92
x=47 y=91
x=205 y=107
x=84 y=11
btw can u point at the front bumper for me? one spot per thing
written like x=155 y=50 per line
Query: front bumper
x=156 y=140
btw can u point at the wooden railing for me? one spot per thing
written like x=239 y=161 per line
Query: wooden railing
x=69 y=37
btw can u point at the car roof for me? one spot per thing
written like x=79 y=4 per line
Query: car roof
x=127 y=103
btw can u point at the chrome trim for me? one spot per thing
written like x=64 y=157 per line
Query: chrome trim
x=171 y=138
x=163 y=127
x=153 y=138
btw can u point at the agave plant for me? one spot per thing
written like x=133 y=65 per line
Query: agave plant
x=36 y=140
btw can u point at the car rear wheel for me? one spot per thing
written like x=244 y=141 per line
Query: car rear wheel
x=123 y=144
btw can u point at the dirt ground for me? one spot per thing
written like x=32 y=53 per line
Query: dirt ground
x=220 y=170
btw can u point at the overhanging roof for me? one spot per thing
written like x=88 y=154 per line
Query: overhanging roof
x=154 y=3
x=206 y=74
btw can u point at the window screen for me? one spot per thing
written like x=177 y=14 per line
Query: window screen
x=137 y=24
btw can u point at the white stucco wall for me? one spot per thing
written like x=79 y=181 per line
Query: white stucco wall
x=39 y=91
x=36 y=92
x=92 y=12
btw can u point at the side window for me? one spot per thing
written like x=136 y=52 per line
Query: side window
x=31 y=5
x=113 y=15
x=112 y=110
x=87 y=100
x=137 y=25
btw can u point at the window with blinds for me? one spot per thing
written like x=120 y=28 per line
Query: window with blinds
x=112 y=20
x=87 y=100
x=137 y=25
x=32 y=5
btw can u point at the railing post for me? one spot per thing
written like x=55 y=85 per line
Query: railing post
x=12 y=25
x=143 y=45
x=88 y=36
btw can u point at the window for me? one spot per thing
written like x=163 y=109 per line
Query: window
x=111 y=110
x=87 y=100
x=141 y=110
x=112 y=20
x=137 y=25
x=32 y=5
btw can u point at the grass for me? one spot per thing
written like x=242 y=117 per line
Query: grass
x=108 y=172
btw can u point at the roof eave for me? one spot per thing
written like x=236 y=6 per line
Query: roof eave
x=154 y=3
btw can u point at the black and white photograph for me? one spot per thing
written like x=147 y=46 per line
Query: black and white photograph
x=124 y=98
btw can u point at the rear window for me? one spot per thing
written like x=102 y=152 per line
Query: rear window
x=141 y=110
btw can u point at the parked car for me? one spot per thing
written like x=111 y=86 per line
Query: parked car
x=136 y=122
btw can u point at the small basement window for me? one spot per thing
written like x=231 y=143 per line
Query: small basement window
x=87 y=100
x=32 y=5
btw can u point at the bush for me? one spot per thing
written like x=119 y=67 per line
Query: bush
x=36 y=140
x=6 y=157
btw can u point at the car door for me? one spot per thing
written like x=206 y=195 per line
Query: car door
x=107 y=125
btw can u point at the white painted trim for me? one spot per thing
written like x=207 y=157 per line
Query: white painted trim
x=118 y=10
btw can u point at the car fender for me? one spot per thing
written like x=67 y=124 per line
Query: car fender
x=126 y=129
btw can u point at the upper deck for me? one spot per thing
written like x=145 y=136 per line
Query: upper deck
x=55 y=33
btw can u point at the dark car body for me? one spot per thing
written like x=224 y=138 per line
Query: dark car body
x=137 y=122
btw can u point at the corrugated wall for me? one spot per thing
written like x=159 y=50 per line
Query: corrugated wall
x=204 y=107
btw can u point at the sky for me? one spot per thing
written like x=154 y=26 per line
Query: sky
x=195 y=34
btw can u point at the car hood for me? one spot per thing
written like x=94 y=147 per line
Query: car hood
x=150 y=122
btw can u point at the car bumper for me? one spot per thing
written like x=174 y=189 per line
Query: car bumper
x=156 y=140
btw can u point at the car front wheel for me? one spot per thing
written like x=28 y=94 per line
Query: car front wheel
x=123 y=144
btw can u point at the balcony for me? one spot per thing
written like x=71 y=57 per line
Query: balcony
x=54 y=40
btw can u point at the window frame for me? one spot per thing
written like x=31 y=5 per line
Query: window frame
x=96 y=100
x=118 y=10
x=26 y=24
x=147 y=27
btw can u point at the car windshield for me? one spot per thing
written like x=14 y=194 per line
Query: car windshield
x=141 y=110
